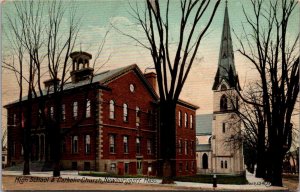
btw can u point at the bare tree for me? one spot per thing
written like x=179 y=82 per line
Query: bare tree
x=29 y=27
x=253 y=119
x=171 y=72
x=47 y=42
x=274 y=54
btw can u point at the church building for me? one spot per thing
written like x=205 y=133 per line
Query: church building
x=215 y=152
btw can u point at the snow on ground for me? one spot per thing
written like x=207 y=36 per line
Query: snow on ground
x=255 y=184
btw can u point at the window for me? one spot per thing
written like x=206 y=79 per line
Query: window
x=223 y=103
x=192 y=147
x=88 y=109
x=138 y=114
x=63 y=112
x=204 y=161
x=179 y=118
x=112 y=144
x=74 y=165
x=222 y=164
x=52 y=112
x=223 y=127
x=186 y=165
x=225 y=164
x=75 y=144
x=75 y=109
x=125 y=112
x=13 y=149
x=191 y=122
x=14 y=119
x=150 y=118
x=180 y=167
x=111 y=109
x=179 y=146
x=185 y=147
x=185 y=120
x=125 y=144
x=87 y=141
x=138 y=145
x=193 y=166
x=126 y=167
x=113 y=167
x=223 y=87
x=149 y=146
x=87 y=166
x=63 y=146
x=40 y=120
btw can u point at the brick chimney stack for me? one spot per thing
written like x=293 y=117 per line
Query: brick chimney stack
x=151 y=77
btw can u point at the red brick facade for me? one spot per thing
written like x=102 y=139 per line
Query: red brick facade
x=116 y=132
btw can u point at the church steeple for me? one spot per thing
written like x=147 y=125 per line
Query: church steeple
x=226 y=67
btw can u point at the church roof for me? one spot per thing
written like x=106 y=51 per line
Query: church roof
x=204 y=124
x=226 y=67
x=203 y=147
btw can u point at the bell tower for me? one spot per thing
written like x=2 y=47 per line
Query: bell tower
x=80 y=66
x=226 y=157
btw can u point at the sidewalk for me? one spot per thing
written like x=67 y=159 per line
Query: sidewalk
x=69 y=177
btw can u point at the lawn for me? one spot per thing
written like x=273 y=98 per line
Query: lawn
x=221 y=179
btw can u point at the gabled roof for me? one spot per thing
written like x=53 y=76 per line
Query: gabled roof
x=204 y=124
x=187 y=104
x=103 y=78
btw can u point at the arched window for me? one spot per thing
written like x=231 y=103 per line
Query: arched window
x=179 y=118
x=87 y=141
x=223 y=87
x=204 y=161
x=191 y=122
x=75 y=109
x=223 y=103
x=179 y=146
x=125 y=112
x=111 y=109
x=225 y=164
x=137 y=116
x=75 y=144
x=222 y=164
x=223 y=127
x=88 y=109
x=185 y=120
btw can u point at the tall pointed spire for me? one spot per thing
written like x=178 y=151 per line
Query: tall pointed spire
x=226 y=68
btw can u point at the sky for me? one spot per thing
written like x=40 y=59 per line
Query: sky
x=97 y=18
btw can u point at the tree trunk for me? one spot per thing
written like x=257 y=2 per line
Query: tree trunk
x=168 y=140
x=57 y=135
x=261 y=168
x=26 y=121
x=277 y=169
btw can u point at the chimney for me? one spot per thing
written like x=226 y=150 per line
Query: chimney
x=49 y=83
x=151 y=77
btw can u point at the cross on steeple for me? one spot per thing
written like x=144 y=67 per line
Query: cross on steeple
x=226 y=67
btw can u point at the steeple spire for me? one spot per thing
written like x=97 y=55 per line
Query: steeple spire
x=226 y=67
